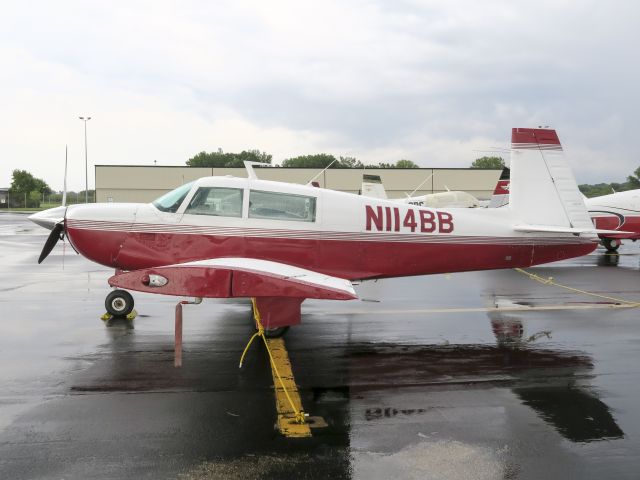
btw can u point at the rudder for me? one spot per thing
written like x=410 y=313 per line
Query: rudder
x=543 y=189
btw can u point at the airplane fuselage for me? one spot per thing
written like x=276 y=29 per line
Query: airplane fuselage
x=618 y=211
x=335 y=233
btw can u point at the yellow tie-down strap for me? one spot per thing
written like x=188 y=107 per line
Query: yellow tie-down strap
x=291 y=417
x=288 y=402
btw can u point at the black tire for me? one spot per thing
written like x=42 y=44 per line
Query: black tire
x=276 y=332
x=119 y=303
x=611 y=244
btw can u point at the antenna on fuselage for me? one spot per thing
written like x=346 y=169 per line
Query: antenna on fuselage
x=64 y=191
x=250 y=171
x=321 y=172
x=418 y=187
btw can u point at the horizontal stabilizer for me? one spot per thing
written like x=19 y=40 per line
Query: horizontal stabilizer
x=552 y=229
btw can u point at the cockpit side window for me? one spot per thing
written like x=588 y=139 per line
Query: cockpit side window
x=170 y=202
x=282 y=206
x=217 y=201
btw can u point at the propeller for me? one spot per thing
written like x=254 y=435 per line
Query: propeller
x=57 y=233
x=54 y=219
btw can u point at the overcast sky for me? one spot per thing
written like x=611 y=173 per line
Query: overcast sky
x=434 y=82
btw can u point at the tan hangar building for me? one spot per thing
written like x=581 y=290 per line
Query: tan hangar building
x=129 y=183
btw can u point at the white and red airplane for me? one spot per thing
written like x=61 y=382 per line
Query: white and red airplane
x=617 y=215
x=282 y=243
x=617 y=211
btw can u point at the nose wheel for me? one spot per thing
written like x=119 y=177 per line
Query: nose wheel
x=119 y=303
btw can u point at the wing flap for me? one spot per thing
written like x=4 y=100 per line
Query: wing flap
x=235 y=277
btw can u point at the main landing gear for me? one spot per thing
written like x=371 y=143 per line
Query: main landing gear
x=273 y=332
x=611 y=244
x=119 y=303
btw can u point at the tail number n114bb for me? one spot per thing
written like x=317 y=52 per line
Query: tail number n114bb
x=390 y=219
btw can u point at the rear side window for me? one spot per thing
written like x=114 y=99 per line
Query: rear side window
x=282 y=206
x=220 y=202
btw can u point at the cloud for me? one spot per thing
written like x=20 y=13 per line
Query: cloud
x=421 y=80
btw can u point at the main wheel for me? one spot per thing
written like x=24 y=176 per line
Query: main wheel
x=275 y=332
x=119 y=303
x=611 y=244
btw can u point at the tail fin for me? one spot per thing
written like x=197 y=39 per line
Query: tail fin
x=500 y=196
x=544 y=194
x=372 y=187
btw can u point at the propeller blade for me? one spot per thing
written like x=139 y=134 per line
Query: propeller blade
x=53 y=238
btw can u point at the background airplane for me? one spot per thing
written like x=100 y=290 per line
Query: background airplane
x=372 y=187
x=617 y=211
x=221 y=237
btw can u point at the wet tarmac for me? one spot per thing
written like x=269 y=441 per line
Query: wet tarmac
x=423 y=378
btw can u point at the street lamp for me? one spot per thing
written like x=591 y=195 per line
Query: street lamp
x=86 y=167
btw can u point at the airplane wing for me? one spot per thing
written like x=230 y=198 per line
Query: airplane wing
x=235 y=277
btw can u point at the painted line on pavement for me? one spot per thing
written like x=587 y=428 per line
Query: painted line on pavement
x=287 y=423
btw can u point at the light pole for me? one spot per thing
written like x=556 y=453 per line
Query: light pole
x=86 y=163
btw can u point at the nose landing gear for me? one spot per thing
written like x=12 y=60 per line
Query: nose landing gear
x=119 y=303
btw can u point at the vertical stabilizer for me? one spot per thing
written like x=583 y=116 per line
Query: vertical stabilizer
x=500 y=196
x=543 y=190
x=372 y=187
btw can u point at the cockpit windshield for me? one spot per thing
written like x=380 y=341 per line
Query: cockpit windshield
x=170 y=202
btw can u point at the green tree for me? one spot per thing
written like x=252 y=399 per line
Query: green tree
x=406 y=164
x=23 y=182
x=320 y=160
x=596 y=190
x=34 y=198
x=488 y=162
x=634 y=180
x=599 y=189
x=25 y=188
x=251 y=156
x=220 y=159
x=350 y=162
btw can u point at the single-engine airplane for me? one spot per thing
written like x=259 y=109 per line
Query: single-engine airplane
x=280 y=243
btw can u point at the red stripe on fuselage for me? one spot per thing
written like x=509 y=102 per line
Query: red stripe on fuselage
x=349 y=259
x=612 y=221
